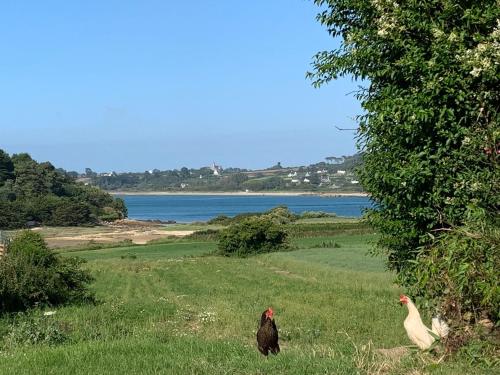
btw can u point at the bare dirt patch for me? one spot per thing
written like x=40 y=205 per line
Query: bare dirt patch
x=137 y=232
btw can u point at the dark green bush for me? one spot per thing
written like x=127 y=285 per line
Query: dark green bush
x=30 y=245
x=32 y=275
x=251 y=236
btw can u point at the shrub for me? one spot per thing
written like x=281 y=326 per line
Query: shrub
x=281 y=215
x=251 y=236
x=31 y=275
x=458 y=274
x=316 y=215
x=30 y=245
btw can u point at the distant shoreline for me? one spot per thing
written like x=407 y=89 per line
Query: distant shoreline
x=243 y=193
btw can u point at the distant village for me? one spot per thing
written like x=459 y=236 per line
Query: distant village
x=334 y=174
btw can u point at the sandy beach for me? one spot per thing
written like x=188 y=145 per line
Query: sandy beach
x=243 y=193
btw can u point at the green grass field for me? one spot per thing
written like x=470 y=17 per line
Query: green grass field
x=172 y=309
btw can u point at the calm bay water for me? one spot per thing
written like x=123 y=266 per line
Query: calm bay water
x=189 y=208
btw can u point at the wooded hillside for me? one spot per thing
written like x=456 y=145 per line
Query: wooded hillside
x=33 y=193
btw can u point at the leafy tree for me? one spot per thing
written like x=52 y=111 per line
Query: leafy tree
x=429 y=132
x=7 y=192
x=6 y=167
x=90 y=173
x=184 y=173
x=13 y=214
x=72 y=214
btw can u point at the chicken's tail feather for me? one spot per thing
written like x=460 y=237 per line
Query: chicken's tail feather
x=439 y=327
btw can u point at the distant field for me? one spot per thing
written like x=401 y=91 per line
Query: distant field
x=172 y=309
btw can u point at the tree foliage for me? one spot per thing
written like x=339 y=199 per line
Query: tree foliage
x=39 y=193
x=429 y=132
x=6 y=167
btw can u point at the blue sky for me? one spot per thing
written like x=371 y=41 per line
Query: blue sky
x=136 y=85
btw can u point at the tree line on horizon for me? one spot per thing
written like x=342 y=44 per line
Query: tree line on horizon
x=33 y=193
x=274 y=178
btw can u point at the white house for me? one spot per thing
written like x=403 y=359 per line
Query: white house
x=340 y=173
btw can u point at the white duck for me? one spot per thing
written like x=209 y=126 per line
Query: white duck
x=417 y=331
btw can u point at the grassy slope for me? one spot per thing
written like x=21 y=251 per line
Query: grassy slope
x=163 y=313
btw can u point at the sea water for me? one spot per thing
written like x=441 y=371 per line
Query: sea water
x=190 y=208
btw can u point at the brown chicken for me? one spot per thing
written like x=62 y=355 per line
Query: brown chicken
x=267 y=335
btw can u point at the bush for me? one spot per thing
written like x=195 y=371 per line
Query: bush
x=316 y=215
x=32 y=275
x=30 y=245
x=458 y=274
x=252 y=236
x=280 y=215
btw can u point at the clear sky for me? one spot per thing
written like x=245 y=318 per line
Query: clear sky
x=132 y=85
